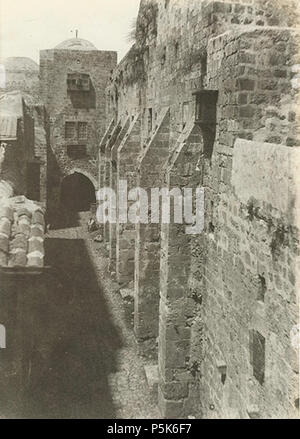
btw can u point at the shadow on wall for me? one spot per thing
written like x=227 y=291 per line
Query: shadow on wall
x=76 y=340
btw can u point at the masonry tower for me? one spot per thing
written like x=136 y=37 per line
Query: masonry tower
x=73 y=78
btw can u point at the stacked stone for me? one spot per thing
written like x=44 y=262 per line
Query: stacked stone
x=113 y=185
x=127 y=156
x=178 y=304
x=147 y=269
x=106 y=177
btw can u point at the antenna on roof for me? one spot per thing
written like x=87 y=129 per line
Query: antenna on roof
x=76 y=31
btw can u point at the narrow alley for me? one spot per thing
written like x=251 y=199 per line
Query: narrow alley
x=86 y=364
x=149 y=210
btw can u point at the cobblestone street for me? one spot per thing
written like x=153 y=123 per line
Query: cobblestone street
x=101 y=374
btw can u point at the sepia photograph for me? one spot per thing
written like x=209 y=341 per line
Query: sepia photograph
x=149 y=212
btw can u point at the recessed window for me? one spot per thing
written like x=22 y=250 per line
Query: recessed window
x=150 y=120
x=70 y=130
x=257 y=355
x=78 y=82
x=206 y=117
x=206 y=109
x=262 y=288
x=223 y=371
x=76 y=130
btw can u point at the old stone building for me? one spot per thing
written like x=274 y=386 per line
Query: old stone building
x=23 y=163
x=207 y=96
x=73 y=79
x=24 y=134
x=20 y=73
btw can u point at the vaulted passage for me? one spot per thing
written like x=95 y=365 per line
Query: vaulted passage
x=77 y=192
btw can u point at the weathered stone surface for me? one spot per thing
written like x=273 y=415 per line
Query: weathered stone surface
x=152 y=377
x=127 y=155
x=267 y=173
x=211 y=291
x=147 y=242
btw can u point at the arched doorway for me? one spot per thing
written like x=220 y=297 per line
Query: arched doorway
x=77 y=193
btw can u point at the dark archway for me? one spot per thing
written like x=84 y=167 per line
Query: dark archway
x=77 y=193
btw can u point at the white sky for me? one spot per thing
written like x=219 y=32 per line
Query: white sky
x=26 y=26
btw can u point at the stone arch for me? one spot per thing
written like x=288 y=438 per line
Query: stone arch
x=87 y=174
x=77 y=192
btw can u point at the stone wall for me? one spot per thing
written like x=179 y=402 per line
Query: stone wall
x=127 y=157
x=249 y=295
x=227 y=297
x=147 y=239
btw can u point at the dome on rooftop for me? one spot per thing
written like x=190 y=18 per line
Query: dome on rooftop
x=76 y=44
x=19 y=63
